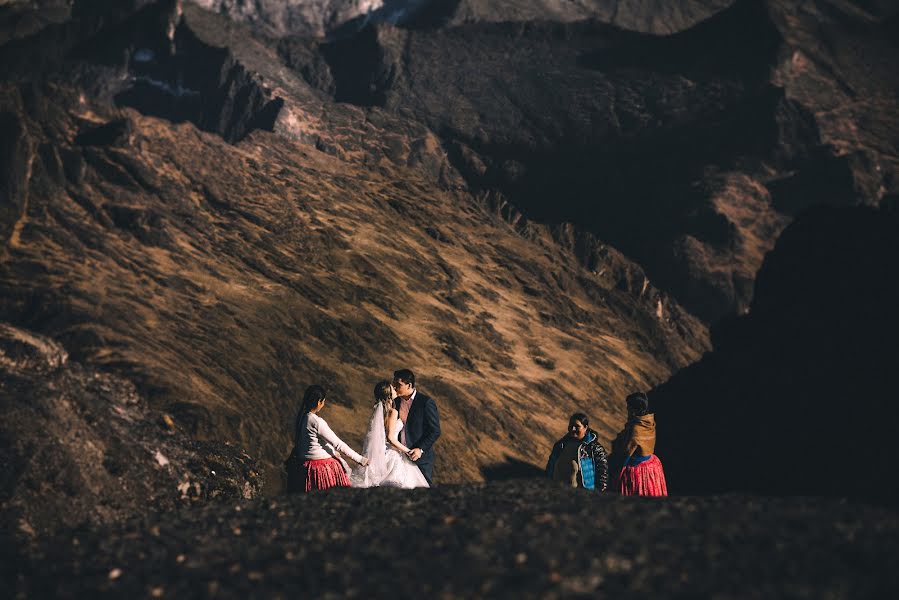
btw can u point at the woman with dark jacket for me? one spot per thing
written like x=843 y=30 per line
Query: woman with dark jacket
x=578 y=458
x=641 y=471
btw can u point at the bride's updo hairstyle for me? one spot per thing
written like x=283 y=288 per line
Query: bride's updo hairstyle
x=382 y=394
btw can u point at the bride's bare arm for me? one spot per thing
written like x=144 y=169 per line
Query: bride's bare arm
x=391 y=431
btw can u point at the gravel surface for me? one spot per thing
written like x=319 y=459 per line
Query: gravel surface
x=511 y=539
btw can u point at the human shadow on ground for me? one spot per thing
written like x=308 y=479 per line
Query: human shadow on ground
x=512 y=468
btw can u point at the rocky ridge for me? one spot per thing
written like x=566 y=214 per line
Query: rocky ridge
x=566 y=120
x=339 y=18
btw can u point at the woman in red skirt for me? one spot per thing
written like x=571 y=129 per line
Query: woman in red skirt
x=641 y=471
x=318 y=447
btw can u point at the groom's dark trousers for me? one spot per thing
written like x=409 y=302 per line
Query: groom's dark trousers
x=422 y=429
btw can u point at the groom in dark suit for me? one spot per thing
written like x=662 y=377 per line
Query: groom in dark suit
x=421 y=423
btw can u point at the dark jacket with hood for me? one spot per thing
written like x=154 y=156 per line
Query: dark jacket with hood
x=593 y=471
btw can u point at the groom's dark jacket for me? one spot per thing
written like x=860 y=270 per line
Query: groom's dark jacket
x=422 y=430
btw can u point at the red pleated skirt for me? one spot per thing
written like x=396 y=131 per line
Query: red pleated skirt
x=644 y=479
x=324 y=474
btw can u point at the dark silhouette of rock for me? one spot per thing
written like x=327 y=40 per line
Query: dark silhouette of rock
x=512 y=468
x=796 y=396
x=15 y=155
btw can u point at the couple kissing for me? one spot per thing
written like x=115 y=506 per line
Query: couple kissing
x=398 y=449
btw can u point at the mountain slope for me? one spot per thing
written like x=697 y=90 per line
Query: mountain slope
x=223 y=278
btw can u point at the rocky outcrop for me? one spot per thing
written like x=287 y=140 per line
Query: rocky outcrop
x=146 y=58
x=81 y=447
x=645 y=16
x=796 y=395
x=321 y=18
x=314 y=18
x=648 y=141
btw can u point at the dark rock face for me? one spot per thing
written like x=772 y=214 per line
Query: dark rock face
x=630 y=135
x=80 y=447
x=796 y=396
x=645 y=16
x=15 y=157
x=314 y=18
x=321 y=18
x=199 y=83
x=512 y=540
x=141 y=56
x=19 y=19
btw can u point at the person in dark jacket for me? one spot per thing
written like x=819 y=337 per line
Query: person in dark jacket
x=578 y=458
x=421 y=422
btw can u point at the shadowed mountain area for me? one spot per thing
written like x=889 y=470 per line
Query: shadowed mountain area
x=338 y=18
x=689 y=152
x=796 y=396
x=645 y=16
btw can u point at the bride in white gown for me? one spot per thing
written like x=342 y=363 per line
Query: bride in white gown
x=389 y=465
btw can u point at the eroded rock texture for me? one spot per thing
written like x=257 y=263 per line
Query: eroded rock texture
x=340 y=18
x=648 y=140
x=646 y=16
x=80 y=447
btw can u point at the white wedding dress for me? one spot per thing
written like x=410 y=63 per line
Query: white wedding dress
x=387 y=466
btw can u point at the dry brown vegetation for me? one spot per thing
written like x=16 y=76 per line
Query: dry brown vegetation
x=223 y=279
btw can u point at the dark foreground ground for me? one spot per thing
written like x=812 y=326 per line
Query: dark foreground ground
x=514 y=539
